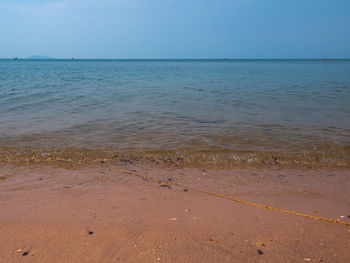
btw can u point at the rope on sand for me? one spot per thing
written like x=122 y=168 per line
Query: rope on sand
x=242 y=201
x=276 y=209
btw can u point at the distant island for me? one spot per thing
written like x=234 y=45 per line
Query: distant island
x=39 y=57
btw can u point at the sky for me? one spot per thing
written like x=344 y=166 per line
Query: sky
x=156 y=29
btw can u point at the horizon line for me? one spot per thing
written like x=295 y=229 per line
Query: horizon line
x=73 y=58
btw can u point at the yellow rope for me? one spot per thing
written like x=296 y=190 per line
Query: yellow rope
x=276 y=209
x=226 y=197
x=240 y=201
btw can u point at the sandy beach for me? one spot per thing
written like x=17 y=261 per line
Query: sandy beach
x=174 y=131
x=146 y=213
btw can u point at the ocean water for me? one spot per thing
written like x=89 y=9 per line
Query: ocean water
x=251 y=105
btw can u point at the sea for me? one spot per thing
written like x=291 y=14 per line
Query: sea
x=256 y=106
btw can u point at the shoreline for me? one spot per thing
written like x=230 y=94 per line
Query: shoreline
x=178 y=158
x=141 y=212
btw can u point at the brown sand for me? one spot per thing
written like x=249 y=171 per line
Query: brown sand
x=109 y=213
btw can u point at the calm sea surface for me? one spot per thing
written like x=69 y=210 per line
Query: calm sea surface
x=255 y=105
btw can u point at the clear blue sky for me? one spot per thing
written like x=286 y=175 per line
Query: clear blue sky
x=175 y=28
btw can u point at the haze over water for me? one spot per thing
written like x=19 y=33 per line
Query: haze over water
x=255 y=105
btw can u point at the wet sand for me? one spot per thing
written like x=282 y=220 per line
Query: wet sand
x=145 y=213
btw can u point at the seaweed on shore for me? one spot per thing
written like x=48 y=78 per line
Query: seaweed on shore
x=71 y=157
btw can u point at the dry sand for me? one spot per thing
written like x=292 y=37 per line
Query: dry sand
x=109 y=213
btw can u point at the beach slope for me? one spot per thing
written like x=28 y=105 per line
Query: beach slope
x=142 y=213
